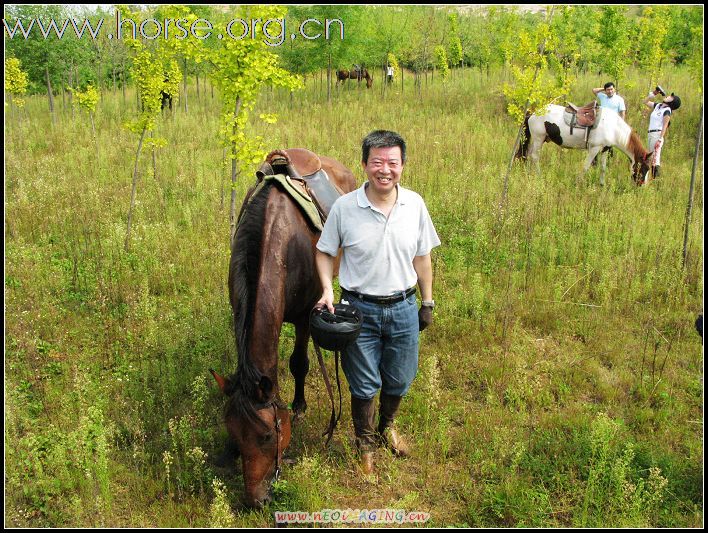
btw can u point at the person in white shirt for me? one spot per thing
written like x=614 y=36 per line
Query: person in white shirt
x=659 y=121
x=386 y=236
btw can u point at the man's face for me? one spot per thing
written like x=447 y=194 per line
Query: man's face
x=610 y=91
x=384 y=168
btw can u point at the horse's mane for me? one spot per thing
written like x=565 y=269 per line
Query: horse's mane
x=634 y=145
x=243 y=281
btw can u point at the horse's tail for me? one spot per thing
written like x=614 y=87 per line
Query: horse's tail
x=522 y=152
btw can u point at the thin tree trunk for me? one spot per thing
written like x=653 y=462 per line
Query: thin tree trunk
x=223 y=164
x=502 y=203
x=95 y=138
x=12 y=107
x=93 y=127
x=184 y=93
x=132 y=192
x=329 y=77
x=154 y=160
x=689 y=208
x=49 y=93
x=123 y=82
x=98 y=78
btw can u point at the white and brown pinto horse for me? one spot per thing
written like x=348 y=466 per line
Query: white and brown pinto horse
x=610 y=130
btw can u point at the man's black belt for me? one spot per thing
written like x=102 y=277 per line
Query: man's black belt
x=394 y=299
x=652 y=131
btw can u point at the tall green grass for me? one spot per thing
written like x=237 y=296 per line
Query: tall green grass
x=559 y=386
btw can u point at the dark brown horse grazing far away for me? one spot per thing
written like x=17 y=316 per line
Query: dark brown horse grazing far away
x=362 y=74
x=272 y=279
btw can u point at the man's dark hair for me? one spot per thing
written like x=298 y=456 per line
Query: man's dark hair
x=382 y=139
x=609 y=84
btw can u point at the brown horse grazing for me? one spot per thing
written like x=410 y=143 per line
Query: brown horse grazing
x=363 y=74
x=272 y=279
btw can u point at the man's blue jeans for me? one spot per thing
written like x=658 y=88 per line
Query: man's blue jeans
x=385 y=356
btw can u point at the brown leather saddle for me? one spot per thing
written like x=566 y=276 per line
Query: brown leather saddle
x=305 y=170
x=580 y=117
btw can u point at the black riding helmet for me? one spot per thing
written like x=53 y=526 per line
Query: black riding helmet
x=675 y=103
x=334 y=331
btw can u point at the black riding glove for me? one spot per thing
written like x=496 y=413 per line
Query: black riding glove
x=425 y=317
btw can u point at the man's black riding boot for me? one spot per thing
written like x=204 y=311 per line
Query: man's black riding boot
x=389 y=436
x=363 y=412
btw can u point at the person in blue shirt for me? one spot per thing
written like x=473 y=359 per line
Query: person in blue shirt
x=609 y=99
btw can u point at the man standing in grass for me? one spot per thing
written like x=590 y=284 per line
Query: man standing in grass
x=609 y=99
x=386 y=236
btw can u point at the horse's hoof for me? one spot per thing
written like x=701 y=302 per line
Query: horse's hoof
x=299 y=412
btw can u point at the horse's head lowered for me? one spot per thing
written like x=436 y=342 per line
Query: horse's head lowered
x=641 y=168
x=259 y=425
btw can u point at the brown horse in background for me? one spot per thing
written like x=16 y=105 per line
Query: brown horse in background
x=355 y=75
x=272 y=279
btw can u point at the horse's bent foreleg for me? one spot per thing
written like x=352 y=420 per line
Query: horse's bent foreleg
x=603 y=168
x=299 y=367
x=592 y=153
x=534 y=152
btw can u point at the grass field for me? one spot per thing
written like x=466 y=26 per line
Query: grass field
x=560 y=385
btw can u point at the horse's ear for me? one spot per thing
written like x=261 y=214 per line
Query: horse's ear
x=224 y=383
x=265 y=386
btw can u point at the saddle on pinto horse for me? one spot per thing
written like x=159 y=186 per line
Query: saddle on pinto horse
x=304 y=171
x=581 y=117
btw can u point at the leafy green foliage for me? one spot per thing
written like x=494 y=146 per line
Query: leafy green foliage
x=695 y=58
x=441 y=61
x=455 y=47
x=653 y=28
x=87 y=99
x=613 y=54
x=152 y=75
x=15 y=80
x=536 y=83
x=240 y=69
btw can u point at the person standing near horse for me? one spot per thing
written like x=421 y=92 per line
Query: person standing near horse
x=659 y=121
x=386 y=236
x=609 y=99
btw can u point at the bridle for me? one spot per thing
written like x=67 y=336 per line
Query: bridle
x=276 y=404
x=277 y=441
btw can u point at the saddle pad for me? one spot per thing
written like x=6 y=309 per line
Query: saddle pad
x=303 y=201
x=323 y=190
